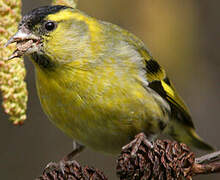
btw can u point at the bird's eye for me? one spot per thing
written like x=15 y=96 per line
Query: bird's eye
x=49 y=26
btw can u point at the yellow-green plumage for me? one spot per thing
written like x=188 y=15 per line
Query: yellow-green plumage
x=101 y=86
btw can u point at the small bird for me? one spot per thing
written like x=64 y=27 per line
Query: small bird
x=98 y=83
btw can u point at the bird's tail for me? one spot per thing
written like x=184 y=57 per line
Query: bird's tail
x=187 y=135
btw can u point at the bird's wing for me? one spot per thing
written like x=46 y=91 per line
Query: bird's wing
x=159 y=82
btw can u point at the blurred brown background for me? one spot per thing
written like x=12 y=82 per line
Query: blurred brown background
x=182 y=35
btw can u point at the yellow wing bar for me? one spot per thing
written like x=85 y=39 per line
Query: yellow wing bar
x=160 y=83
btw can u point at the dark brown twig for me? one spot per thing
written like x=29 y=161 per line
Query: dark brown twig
x=215 y=156
x=206 y=168
x=207 y=164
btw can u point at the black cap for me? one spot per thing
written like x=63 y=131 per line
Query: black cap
x=37 y=15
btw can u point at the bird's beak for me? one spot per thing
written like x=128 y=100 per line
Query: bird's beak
x=24 y=42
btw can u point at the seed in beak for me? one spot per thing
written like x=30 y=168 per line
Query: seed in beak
x=22 y=48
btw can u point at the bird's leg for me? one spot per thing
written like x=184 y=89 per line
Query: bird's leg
x=135 y=144
x=77 y=148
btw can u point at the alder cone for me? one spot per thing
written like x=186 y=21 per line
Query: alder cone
x=167 y=160
x=71 y=170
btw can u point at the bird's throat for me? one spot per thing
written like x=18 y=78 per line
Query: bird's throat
x=42 y=60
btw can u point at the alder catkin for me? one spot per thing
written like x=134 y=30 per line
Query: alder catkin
x=12 y=73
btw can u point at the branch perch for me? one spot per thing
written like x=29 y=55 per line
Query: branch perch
x=207 y=164
x=140 y=159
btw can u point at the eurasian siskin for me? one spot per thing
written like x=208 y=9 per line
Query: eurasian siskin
x=98 y=83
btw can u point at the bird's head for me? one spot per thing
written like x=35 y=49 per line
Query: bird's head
x=53 y=34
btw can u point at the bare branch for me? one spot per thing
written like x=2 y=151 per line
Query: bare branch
x=206 y=168
x=208 y=158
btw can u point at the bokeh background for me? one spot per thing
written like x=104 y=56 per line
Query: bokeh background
x=183 y=36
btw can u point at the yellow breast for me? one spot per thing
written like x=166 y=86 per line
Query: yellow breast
x=101 y=109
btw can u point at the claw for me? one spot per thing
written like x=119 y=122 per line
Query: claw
x=53 y=165
x=135 y=144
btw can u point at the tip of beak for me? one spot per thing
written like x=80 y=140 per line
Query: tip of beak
x=11 y=40
x=16 y=37
x=10 y=58
x=16 y=54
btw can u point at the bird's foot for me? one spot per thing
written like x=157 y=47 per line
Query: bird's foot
x=68 y=159
x=135 y=144
x=62 y=167
x=55 y=166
